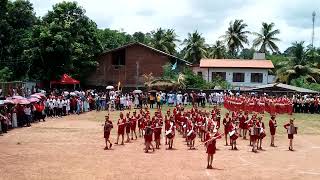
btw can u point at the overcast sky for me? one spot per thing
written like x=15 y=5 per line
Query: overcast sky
x=209 y=17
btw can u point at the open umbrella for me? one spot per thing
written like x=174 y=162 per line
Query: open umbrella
x=33 y=100
x=41 y=95
x=36 y=96
x=17 y=97
x=8 y=101
x=21 y=101
x=73 y=94
x=137 y=91
x=65 y=93
x=109 y=87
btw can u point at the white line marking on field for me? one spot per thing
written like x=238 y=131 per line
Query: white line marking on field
x=311 y=173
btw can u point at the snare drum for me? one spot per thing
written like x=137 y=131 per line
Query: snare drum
x=191 y=135
x=169 y=134
x=233 y=135
x=256 y=131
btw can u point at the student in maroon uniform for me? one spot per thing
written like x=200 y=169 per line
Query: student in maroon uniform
x=128 y=126
x=226 y=122
x=107 y=129
x=210 y=143
x=272 y=127
x=262 y=133
x=148 y=137
x=121 y=126
x=133 y=124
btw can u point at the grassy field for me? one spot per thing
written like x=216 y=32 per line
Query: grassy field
x=306 y=123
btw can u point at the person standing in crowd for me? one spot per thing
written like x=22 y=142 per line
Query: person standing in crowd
x=60 y=106
x=4 y=122
x=158 y=101
x=64 y=106
x=27 y=113
x=107 y=129
x=68 y=106
x=55 y=107
x=151 y=99
x=78 y=106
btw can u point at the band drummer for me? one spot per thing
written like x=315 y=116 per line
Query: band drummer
x=291 y=130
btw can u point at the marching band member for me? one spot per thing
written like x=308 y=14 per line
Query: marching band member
x=148 y=137
x=133 y=123
x=226 y=122
x=191 y=136
x=210 y=144
x=140 y=123
x=254 y=131
x=167 y=125
x=272 y=127
x=262 y=133
x=121 y=125
x=291 y=130
x=107 y=129
x=232 y=131
x=128 y=126
x=245 y=120
x=157 y=133
x=170 y=134
x=250 y=124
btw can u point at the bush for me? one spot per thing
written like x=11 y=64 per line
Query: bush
x=303 y=83
x=5 y=74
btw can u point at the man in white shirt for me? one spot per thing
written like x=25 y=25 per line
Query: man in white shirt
x=55 y=107
x=60 y=105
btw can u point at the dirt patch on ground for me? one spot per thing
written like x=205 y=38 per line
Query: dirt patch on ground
x=72 y=148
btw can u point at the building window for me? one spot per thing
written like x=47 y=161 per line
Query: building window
x=119 y=57
x=238 y=77
x=216 y=75
x=199 y=73
x=256 y=77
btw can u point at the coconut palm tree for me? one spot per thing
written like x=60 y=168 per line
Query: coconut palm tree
x=236 y=36
x=297 y=66
x=217 y=51
x=195 y=47
x=266 y=39
x=164 y=40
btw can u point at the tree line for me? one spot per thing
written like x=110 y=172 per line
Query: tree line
x=66 y=40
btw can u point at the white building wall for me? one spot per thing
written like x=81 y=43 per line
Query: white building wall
x=207 y=75
x=247 y=75
x=203 y=70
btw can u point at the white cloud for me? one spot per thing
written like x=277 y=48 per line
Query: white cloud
x=292 y=17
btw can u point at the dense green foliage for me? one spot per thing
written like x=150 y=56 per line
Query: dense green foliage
x=65 y=40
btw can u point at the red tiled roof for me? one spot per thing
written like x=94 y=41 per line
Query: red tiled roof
x=236 y=63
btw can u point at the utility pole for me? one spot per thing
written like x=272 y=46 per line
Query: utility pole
x=313 y=21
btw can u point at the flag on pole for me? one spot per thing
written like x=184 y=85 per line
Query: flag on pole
x=174 y=66
x=119 y=83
